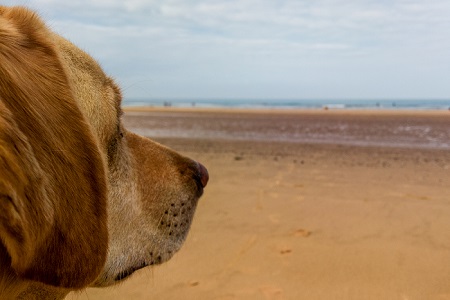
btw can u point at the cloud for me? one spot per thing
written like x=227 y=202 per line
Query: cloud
x=262 y=48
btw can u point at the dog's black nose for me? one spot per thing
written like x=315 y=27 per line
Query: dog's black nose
x=203 y=174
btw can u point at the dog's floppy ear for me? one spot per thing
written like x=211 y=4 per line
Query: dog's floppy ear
x=52 y=176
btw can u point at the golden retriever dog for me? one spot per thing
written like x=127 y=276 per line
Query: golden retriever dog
x=83 y=202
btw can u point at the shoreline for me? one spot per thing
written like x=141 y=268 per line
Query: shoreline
x=288 y=111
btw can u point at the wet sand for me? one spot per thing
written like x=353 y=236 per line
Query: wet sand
x=306 y=205
x=407 y=129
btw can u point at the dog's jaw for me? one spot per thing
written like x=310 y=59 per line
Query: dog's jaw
x=156 y=244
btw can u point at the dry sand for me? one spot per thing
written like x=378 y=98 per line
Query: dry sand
x=321 y=219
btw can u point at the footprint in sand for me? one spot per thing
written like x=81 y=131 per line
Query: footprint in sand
x=302 y=233
x=418 y=197
x=285 y=251
x=271 y=292
x=274 y=218
x=194 y=283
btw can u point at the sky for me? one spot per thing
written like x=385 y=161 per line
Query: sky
x=258 y=49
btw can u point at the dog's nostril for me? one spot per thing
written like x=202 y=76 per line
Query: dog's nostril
x=203 y=172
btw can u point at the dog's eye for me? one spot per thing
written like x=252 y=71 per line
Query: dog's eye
x=114 y=143
x=120 y=131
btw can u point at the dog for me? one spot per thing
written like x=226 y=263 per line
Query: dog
x=83 y=202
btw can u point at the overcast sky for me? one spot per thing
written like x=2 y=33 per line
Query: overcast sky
x=293 y=49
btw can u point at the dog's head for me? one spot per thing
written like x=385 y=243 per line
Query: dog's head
x=83 y=201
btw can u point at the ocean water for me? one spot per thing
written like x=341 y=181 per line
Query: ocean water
x=423 y=104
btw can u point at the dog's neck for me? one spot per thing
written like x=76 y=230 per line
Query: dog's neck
x=14 y=287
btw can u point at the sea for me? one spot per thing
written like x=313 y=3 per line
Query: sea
x=415 y=104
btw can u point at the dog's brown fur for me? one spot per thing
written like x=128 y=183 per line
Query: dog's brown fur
x=83 y=202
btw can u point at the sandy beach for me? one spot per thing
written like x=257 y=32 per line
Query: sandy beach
x=306 y=205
